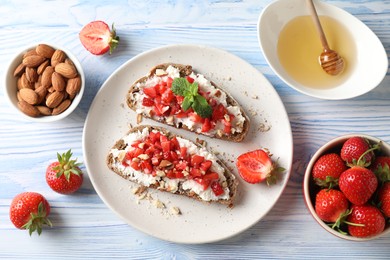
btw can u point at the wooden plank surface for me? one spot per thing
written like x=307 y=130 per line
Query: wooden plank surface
x=84 y=226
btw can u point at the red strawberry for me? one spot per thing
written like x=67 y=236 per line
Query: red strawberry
x=384 y=199
x=97 y=37
x=29 y=210
x=257 y=166
x=64 y=176
x=358 y=184
x=365 y=221
x=327 y=169
x=330 y=204
x=354 y=148
x=381 y=168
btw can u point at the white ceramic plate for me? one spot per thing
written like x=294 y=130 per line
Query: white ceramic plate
x=108 y=120
x=372 y=62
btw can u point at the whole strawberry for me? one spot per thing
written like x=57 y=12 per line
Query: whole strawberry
x=354 y=148
x=64 y=176
x=384 y=199
x=381 y=168
x=30 y=210
x=330 y=204
x=358 y=184
x=365 y=221
x=327 y=169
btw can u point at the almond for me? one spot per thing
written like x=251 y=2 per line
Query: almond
x=19 y=83
x=61 y=107
x=33 y=61
x=57 y=81
x=69 y=61
x=18 y=96
x=28 y=109
x=29 y=53
x=54 y=99
x=51 y=89
x=19 y=70
x=31 y=74
x=73 y=86
x=46 y=76
x=66 y=70
x=44 y=110
x=44 y=50
x=29 y=95
x=41 y=68
x=165 y=163
x=57 y=57
x=42 y=92
x=24 y=83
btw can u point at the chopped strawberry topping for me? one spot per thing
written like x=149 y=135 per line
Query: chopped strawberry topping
x=161 y=156
x=217 y=188
x=165 y=103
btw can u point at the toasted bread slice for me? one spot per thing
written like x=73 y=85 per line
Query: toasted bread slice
x=142 y=157
x=228 y=121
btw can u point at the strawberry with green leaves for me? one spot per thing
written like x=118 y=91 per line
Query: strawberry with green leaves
x=365 y=221
x=327 y=170
x=30 y=210
x=98 y=39
x=330 y=205
x=256 y=166
x=384 y=199
x=64 y=176
x=354 y=148
x=381 y=168
x=358 y=184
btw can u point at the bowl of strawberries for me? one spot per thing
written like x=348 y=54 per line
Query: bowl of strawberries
x=347 y=187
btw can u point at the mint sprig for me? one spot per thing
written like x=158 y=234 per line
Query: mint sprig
x=181 y=87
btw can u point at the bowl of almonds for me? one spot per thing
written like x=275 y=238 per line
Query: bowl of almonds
x=44 y=82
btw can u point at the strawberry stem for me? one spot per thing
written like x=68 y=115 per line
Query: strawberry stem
x=361 y=161
x=67 y=166
x=37 y=220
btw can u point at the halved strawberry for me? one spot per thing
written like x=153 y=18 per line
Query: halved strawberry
x=97 y=37
x=256 y=166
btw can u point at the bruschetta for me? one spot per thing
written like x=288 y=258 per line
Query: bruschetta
x=155 y=158
x=175 y=95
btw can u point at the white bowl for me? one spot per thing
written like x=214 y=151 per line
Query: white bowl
x=310 y=188
x=11 y=85
x=371 y=65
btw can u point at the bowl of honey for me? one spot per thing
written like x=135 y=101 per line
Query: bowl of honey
x=291 y=45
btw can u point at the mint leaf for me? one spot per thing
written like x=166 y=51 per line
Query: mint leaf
x=181 y=87
x=201 y=107
x=194 y=89
x=187 y=103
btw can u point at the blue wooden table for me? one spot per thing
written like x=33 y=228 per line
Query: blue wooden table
x=84 y=226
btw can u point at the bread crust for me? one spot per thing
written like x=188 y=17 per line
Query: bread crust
x=186 y=70
x=230 y=178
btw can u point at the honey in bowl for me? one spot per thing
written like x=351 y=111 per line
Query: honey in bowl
x=299 y=48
